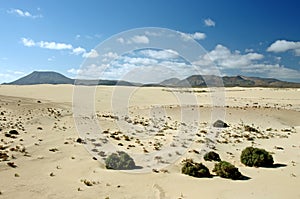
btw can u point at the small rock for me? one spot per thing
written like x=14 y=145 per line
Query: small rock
x=12 y=164
x=53 y=149
x=87 y=183
x=278 y=148
x=79 y=140
x=220 y=124
x=13 y=132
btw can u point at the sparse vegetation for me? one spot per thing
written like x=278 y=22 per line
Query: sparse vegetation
x=119 y=161
x=255 y=157
x=195 y=169
x=251 y=129
x=227 y=170
x=212 y=156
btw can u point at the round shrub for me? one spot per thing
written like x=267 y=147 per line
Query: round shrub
x=226 y=170
x=119 y=161
x=212 y=156
x=195 y=169
x=255 y=157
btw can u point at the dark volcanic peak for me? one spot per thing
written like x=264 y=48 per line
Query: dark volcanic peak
x=50 y=77
x=43 y=77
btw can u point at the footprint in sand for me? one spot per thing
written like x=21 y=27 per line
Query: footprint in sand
x=158 y=192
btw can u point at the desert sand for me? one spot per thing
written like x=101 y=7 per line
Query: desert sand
x=45 y=159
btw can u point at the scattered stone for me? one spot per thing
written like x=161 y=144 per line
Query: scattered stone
x=87 y=183
x=13 y=132
x=12 y=164
x=80 y=140
x=7 y=135
x=251 y=129
x=278 y=148
x=3 y=156
x=53 y=150
x=220 y=124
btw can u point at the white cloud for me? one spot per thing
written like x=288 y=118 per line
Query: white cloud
x=249 y=50
x=140 y=39
x=78 y=51
x=139 y=61
x=161 y=54
x=23 y=13
x=284 y=45
x=209 y=22
x=273 y=71
x=107 y=57
x=224 y=58
x=74 y=71
x=110 y=55
x=10 y=75
x=60 y=46
x=45 y=44
x=92 y=54
x=248 y=63
x=92 y=71
x=28 y=42
x=196 y=36
x=54 y=45
x=121 y=40
x=148 y=66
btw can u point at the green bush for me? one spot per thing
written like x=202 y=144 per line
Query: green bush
x=119 y=161
x=212 y=156
x=195 y=169
x=256 y=157
x=226 y=170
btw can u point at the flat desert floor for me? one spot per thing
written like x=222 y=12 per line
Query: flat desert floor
x=44 y=158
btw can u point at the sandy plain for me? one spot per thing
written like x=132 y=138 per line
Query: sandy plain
x=45 y=160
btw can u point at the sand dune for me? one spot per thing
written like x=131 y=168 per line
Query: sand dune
x=44 y=159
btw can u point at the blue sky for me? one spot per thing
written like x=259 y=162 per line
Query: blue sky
x=256 y=38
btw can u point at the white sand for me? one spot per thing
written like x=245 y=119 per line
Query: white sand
x=45 y=174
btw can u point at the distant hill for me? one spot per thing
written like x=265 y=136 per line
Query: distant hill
x=49 y=77
x=43 y=77
x=228 y=81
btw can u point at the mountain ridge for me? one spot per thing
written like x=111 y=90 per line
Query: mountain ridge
x=51 y=77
